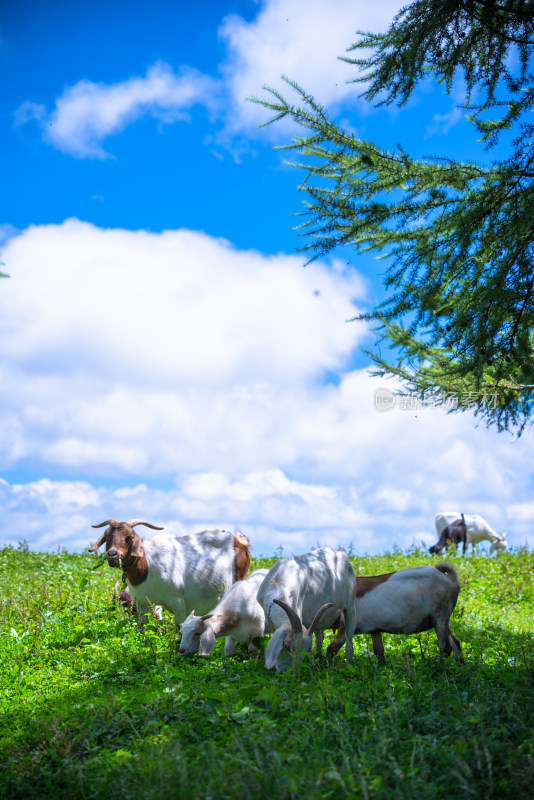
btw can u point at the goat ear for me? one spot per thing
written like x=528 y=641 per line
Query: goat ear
x=207 y=642
x=137 y=547
x=275 y=647
x=98 y=543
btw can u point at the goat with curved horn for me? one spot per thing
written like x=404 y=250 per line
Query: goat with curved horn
x=295 y=642
x=172 y=572
x=317 y=617
x=296 y=622
x=100 y=541
x=303 y=596
x=113 y=524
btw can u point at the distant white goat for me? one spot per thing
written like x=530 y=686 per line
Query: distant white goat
x=453 y=534
x=239 y=617
x=177 y=573
x=407 y=601
x=305 y=595
x=477 y=530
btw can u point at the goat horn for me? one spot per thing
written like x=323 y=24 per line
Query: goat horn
x=98 y=543
x=107 y=522
x=206 y=616
x=294 y=618
x=318 y=616
x=133 y=522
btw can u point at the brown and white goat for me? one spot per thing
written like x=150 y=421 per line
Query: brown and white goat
x=407 y=601
x=177 y=573
x=455 y=533
x=238 y=617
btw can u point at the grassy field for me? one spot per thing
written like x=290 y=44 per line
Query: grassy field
x=92 y=707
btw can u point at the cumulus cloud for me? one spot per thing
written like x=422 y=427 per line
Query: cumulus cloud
x=302 y=39
x=87 y=113
x=209 y=374
x=171 y=307
x=188 y=364
x=272 y=509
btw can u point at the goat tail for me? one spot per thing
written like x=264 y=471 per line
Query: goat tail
x=449 y=571
x=240 y=536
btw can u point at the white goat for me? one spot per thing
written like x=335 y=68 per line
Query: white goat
x=477 y=530
x=407 y=601
x=308 y=590
x=177 y=573
x=239 y=617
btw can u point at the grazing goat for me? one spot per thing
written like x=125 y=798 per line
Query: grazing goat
x=177 y=573
x=239 y=617
x=407 y=601
x=455 y=533
x=310 y=590
x=289 y=642
x=477 y=530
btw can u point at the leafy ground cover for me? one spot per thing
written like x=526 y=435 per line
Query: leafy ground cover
x=93 y=707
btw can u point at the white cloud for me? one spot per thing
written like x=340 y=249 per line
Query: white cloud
x=29 y=111
x=190 y=364
x=442 y=123
x=272 y=509
x=88 y=112
x=205 y=372
x=174 y=306
x=302 y=39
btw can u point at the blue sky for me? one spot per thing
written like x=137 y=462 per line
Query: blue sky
x=164 y=354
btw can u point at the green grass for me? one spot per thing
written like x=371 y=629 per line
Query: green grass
x=92 y=707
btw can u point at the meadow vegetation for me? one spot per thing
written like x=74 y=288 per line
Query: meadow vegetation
x=93 y=707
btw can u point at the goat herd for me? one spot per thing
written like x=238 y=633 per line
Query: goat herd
x=297 y=598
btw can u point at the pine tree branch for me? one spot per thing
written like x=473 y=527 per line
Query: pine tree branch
x=458 y=236
x=527 y=15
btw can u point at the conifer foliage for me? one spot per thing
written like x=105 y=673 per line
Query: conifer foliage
x=458 y=236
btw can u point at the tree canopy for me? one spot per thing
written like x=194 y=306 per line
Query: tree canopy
x=457 y=235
